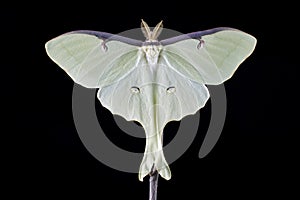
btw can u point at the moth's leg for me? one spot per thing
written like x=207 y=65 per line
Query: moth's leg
x=104 y=46
x=201 y=43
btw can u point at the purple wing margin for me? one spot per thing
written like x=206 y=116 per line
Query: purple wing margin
x=193 y=35
x=106 y=37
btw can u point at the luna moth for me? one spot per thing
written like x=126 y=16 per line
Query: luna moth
x=152 y=81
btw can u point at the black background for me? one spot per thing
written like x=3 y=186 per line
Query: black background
x=255 y=156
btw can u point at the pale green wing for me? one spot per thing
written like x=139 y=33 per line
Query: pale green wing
x=215 y=60
x=154 y=99
x=88 y=62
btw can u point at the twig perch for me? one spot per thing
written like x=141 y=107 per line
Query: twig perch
x=153 y=180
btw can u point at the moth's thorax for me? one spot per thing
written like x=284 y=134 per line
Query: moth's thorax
x=152 y=53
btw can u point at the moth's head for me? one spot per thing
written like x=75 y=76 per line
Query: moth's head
x=151 y=36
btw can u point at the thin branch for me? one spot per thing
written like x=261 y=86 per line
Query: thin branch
x=153 y=180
